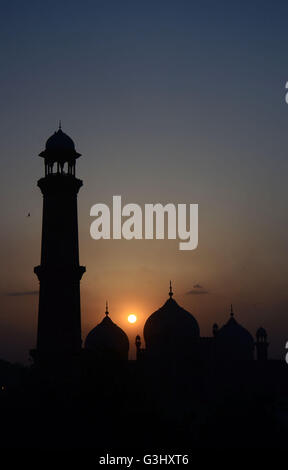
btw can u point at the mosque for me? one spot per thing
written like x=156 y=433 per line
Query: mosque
x=171 y=333
x=183 y=392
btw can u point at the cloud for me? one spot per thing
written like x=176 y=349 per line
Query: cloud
x=197 y=290
x=19 y=294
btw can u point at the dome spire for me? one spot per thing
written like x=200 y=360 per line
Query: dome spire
x=231 y=311
x=106 y=311
x=170 y=291
x=60 y=125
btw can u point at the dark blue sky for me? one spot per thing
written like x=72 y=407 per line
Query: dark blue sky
x=168 y=102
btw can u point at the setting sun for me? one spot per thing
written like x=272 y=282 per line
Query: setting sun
x=132 y=318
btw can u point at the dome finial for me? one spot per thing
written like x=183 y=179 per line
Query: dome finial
x=60 y=125
x=106 y=311
x=231 y=311
x=170 y=291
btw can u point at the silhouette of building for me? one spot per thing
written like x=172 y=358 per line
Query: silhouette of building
x=233 y=341
x=107 y=341
x=184 y=390
x=172 y=332
x=59 y=273
x=261 y=344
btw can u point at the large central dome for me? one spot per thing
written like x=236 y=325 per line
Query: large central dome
x=171 y=330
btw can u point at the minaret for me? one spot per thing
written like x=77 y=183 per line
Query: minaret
x=59 y=318
x=261 y=344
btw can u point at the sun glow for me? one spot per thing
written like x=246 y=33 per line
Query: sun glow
x=132 y=318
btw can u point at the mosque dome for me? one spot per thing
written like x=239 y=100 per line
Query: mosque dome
x=108 y=340
x=60 y=147
x=170 y=330
x=233 y=341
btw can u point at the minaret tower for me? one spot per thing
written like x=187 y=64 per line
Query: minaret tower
x=261 y=344
x=59 y=318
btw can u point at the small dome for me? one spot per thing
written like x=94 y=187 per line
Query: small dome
x=233 y=341
x=170 y=330
x=108 y=340
x=60 y=141
x=60 y=147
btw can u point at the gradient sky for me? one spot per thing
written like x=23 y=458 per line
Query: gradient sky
x=167 y=102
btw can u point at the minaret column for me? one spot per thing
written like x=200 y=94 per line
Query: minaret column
x=59 y=273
